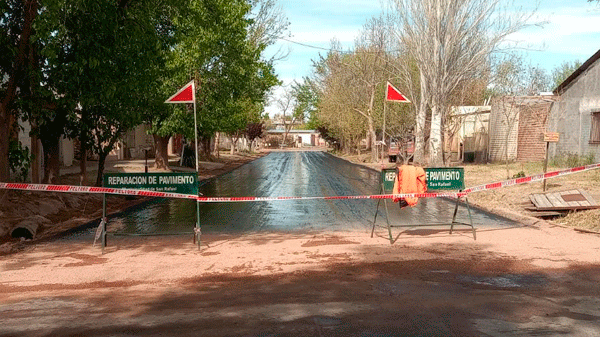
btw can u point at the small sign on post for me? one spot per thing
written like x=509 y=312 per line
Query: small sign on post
x=551 y=137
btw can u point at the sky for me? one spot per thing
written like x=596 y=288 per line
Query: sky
x=571 y=31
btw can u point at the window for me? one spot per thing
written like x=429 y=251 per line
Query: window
x=595 y=128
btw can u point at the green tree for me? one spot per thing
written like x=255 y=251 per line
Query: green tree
x=563 y=71
x=107 y=56
x=307 y=98
x=16 y=31
x=216 y=44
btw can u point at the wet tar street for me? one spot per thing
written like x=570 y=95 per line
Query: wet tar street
x=298 y=174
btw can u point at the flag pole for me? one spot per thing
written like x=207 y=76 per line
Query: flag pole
x=183 y=96
x=383 y=136
x=197 y=231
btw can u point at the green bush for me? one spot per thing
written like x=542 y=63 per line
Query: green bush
x=19 y=160
x=573 y=160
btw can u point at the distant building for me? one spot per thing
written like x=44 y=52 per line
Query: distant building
x=517 y=126
x=66 y=151
x=576 y=115
x=300 y=138
x=467 y=139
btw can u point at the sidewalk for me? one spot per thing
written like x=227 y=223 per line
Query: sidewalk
x=137 y=165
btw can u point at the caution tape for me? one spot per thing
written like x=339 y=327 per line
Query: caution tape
x=92 y=190
x=156 y=194
x=534 y=178
x=339 y=197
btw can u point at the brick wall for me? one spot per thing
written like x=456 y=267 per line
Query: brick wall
x=523 y=119
x=532 y=124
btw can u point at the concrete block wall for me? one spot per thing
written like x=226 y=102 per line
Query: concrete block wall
x=571 y=117
x=499 y=129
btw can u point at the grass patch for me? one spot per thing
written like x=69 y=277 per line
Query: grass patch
x=589 y=220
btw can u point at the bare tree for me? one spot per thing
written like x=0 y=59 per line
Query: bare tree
x=451 y=41
x=512 y=80
x=369 y=64
x=269 y=23
x=335 y=106
x=286 y=104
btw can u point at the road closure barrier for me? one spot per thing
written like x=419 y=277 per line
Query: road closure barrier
x=203 y=199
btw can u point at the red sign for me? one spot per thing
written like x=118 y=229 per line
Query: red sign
x=187 y=94
x=393 y=94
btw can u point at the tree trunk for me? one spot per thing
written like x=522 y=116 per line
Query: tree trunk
x=103 y=153
x=83 y=154
x=285 y=133
x=161 y=157
x=217 y=144
x=233 y=144
x=35 y=160
x=435 y=138
x=4 y=146
x=7 y=120
x=101 y=165
x=50 y=148
x=372 y=139
x=83 y=181
x=508 y=129
x=419 y=154
x=205 y=147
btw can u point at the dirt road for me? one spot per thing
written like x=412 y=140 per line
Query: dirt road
x=537 y=280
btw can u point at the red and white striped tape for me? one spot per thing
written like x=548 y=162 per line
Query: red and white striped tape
x=93 y=190
x=146 y=193
x=538 y=177
x=339 y=197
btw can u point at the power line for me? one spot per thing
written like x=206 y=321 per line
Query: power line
x=331 y=49
x=313 y=46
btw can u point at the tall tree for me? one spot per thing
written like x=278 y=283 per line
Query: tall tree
x=451 y=41
x=289 y=114
x=254 y=130
x=220 y=45
x=109 y=53
x=512 y=80
x=307 y=98
x=16 y=31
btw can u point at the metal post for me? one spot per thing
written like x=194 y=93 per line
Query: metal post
x=103 y=222
x=197 y=232
x=470 y=218
x=546 y=165
x=383 y=135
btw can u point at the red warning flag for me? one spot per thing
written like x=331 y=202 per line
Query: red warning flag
x=393 y=94
x=187 y=94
